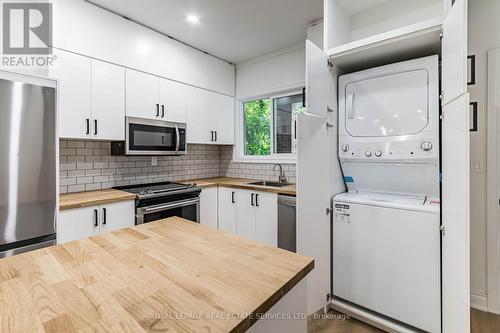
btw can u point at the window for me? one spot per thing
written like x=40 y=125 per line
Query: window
x=269 y=126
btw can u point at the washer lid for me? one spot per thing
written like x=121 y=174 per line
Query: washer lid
x=390 y=201
x=389 y=105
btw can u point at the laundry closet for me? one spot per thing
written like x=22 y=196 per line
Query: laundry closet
x=383 y=199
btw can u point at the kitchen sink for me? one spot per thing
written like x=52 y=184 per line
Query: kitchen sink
x=266 y=183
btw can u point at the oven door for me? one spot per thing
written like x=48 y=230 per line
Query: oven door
x=152 y=137
x=187 y=209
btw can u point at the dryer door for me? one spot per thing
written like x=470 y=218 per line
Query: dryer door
x=389 y=105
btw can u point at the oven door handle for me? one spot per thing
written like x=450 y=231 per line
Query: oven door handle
x=178 y=139
x=176 y=204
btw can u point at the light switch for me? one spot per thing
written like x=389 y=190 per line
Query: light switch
x=154 y=160
x=476 y=165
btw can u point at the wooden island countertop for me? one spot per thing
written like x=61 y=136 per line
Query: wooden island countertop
x=170 y=275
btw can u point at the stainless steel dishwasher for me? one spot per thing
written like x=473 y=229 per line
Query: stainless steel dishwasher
x=287 y=223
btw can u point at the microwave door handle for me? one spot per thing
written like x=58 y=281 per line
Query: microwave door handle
x=177 y=139
x=350 y=106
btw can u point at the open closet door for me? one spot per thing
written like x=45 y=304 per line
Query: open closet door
x=313 y=177
x=454 y=52
x=455 y=172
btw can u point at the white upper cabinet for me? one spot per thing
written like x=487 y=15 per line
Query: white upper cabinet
x=142 y=95
x=318 y=79
x=210 y=117
x=355 y=23
x=454 y=52
x=173 y=101
x=152 y=97
x=83 y=28
x=363 y=34
x=108 y=101
x=73 y=73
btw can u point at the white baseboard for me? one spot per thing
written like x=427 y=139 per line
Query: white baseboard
x=479 y=302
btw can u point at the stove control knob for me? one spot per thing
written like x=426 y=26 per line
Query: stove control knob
x=142 y=192
x=368 y=153
x=378 y=153
x=426 y=146
x=149 y=191
x=345 y=148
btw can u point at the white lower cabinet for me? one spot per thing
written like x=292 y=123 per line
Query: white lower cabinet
x=257 y=216
x=78 y=223
x=251 y=214
x=227 y=209
x=208 y=207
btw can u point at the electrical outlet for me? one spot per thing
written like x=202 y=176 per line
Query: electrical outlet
x=154 y=160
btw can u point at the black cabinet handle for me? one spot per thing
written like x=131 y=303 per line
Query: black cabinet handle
x=163 y=111
x=257 y=200
x=104 y=216
x=157 y=110
x=212 y=136
x=95 y=126
x=251 y=200
x=232 y=197
x=215 y=135
x=295 y=130
x=96 y=218
x=88 y=125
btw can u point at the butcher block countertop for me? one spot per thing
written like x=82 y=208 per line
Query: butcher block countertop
x=242 y=183
x=170 y=276
x=92 y=198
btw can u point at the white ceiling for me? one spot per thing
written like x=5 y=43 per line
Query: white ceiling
x=234 y=30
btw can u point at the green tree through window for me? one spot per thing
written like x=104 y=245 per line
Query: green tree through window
x=258 y=127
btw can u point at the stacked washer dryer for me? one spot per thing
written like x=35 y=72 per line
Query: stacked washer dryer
x=386 y=242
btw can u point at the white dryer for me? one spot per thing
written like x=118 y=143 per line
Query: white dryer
x=386 y=230
x=389 y=128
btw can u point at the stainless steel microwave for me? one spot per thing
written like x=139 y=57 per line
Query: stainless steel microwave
x=151 y=137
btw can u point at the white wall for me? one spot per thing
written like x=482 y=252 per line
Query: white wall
x=275 y=72
x=484 y=34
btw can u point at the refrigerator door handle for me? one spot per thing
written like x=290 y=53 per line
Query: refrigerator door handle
x=96 y=218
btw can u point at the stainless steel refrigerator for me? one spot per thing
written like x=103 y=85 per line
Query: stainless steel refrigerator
x=28 y=192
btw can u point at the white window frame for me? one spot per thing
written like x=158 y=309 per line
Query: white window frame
x=239 y=151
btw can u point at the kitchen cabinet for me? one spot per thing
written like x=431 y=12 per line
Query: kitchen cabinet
x=208 y=207
x=78 y=223
x=257 y=216
x=91 y=97
x=173 y=101
x=108 y=101
x=210 y=117
x=151 y=97
x=73 y=73
x=227 y=209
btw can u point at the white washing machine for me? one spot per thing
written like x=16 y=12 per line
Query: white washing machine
x=386 y=249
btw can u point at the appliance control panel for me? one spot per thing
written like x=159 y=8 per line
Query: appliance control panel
x=423 y=149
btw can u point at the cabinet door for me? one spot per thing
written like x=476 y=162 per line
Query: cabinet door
x=73 y=89
x=455 y=214
x=316 y=72
x=245 y=214
x=224 y=115
x=208 y=207
x=173 y=101
x=118 y=215
x=200 y=116
x=108 y=101
x=266 y=218
x=74 y=224
x=227 y=209
x=454 y=52
x=142 y=95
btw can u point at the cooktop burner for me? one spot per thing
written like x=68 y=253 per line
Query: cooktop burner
x=155 y=188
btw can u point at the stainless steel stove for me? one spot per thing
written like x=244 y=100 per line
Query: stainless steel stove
x=157 y=201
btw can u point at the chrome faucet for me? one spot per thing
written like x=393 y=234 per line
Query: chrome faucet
x=282 y=178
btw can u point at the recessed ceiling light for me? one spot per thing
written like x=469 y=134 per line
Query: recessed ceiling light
x=193 y=19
